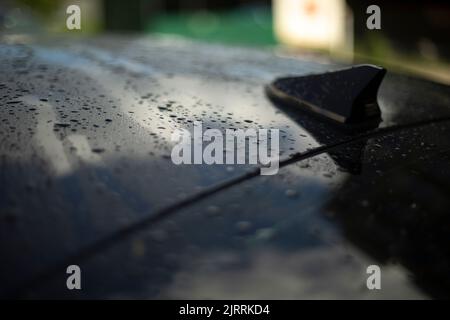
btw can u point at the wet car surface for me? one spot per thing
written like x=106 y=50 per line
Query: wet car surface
x=87 y=179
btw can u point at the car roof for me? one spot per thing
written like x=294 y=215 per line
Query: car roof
x=88 y=180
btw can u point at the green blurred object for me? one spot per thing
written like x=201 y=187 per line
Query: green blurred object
x=252 y=26
x=41 y=7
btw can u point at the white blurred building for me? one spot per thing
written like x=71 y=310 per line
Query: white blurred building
x=314 y=24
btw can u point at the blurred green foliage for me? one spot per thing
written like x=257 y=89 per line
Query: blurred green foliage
x=242 y=26
x=42 y=7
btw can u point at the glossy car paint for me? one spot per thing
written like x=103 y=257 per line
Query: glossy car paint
x=87 y=179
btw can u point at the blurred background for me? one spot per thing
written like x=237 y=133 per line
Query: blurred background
x=414 y=37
